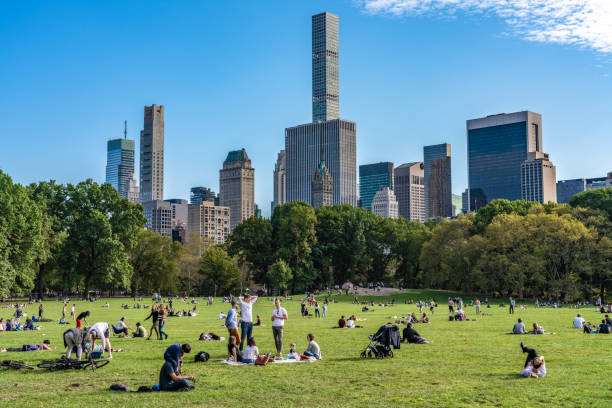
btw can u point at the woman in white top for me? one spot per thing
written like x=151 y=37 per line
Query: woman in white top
x=250 y=352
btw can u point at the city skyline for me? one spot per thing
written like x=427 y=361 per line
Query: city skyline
x=577 y=89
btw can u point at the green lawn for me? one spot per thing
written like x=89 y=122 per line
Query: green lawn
x=473 y=363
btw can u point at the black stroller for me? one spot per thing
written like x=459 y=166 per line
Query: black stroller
x=381 y=342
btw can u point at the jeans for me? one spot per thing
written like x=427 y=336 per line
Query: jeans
x=309 y=354
x=511 y=309
x=248 y=361
x=176 y=385
x=324 y=311
x=531 y=354
x=277 y=331
x=246 y=332
x=161 y=330
x=317 y=312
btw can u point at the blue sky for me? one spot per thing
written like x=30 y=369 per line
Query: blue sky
x=235 y=74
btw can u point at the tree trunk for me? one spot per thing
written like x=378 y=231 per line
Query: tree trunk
x=602 y=293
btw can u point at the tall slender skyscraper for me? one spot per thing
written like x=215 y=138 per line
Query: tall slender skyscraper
x=325 y=84
x=280 y=190
x=409 y=191
x=328 y=136
x=120 y=164
x=237 y=186
x=152 y=154
x=497 y=147
x=438 y=187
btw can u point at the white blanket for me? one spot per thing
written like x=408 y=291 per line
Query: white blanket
x=234 y=363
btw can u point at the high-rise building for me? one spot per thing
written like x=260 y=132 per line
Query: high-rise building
x=133 y=194
x=437 y=178
x=372 y=177
x=597 y=182
x=120 y=164
x=179 y=233
x=566 y=189
x=322 y=186
x=538 y=179
x=409 y=191
x=209 y=221
x=497 y=147
x=328 y=136
x=385 y=204
x=199 y=194
x=152 y=154
x=159 y=216
x=305 y=145
x=279 y=181
x=179 y=211
x=465 y=201
x=237 y=186
x=325 y=72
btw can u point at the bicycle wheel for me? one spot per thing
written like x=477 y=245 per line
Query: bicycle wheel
x=19 y=365
x=100 y=363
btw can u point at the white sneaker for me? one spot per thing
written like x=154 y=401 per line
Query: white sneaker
x=109 y=357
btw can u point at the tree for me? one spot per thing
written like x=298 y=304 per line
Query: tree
x=218 y=270
x=101 y=228
x=279 y=275
x=154 y=260
x=20 y=238
x=485 y=214
x=407 y=249
x=251 y=243
x=293 y=231
x=598 y=199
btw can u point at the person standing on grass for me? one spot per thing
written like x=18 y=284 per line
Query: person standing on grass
x=154 y=316
x=317 y=311
x=246 y=313
x=40 y=311
x=512 y=302
x=64 y=312
x=231 y=322
x=82 y=317
x=325 y=309
x=279 y=315
x=100 y=331
x=73 y=311
x=477 y=306
x=451 y=306
x=162 y=322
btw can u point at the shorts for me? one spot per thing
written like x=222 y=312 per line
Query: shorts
x=78 y=323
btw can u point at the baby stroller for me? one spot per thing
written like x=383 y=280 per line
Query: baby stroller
x=381 y=342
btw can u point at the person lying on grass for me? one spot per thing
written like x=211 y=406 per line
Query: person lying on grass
x=410 y=335
x=313 y=350
x=169 y=375
x=535 y=366
x=537 y=329
x=31 y=347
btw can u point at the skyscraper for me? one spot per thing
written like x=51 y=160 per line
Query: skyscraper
x=538 y=179
x=372 y=177
x=199 y=194
x=325 y=78
x=159 y=217
x=178 y=208
x=152 y=154
x=384 y=203
x=322 y=186
x=497 y=147
x=120 y=164
x=409 y=191
x=237 y=186
x=437 y=178
x=280 y=191
x=329 y=137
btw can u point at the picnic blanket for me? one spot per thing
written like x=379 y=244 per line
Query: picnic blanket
x=235 y=363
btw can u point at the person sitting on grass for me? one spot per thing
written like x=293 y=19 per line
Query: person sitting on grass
x=535 y=366
x=519 y=327
x=233 y=352
x=251 y=352
x=293 y=355
x=537 y=329
x=29 y=325
x=140 y=331
x=578 y=321
x=412 y=336
x=313 y=350
x=121 y=328
x=587 y=328
x=604 y=327
x=31 y=347
x=423 y=319
x=342 y=322
x=169 y=377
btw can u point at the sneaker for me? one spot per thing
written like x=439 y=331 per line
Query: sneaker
x=110 y=357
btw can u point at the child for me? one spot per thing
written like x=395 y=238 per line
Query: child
x=292 y=353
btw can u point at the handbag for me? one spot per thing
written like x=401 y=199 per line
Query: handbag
x=262 y=359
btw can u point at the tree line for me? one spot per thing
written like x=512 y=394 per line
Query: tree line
x=85 y=237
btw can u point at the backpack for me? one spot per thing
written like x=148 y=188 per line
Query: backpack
x=202 y=356
x=119 y=387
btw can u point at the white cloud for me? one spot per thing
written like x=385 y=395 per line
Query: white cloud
x=585 y=23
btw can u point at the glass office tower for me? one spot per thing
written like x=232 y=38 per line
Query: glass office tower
x=373 y=177
x=120 y=164
x=325 y=79
x=497 y=147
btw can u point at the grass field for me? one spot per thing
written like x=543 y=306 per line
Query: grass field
x=472 y=363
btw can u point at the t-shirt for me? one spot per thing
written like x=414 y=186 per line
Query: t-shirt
x=120 y=325
x=578 y=322
x=313 y=348
x=142 y=332
x=341 y=323
x=250 y=353
x=246 y=310
x=231 y=320
x=350 y=323
x=519 y=328
x=278 y=313
x=81 y=316
x=604 y=328
x=100 y=330
x=165 y=375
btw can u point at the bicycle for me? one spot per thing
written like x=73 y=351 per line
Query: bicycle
x=15 y=364
x=64 y=363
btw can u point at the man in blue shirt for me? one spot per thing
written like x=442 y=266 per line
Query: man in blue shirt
x=231 y=322
x=511 y=306
x=169 y=378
